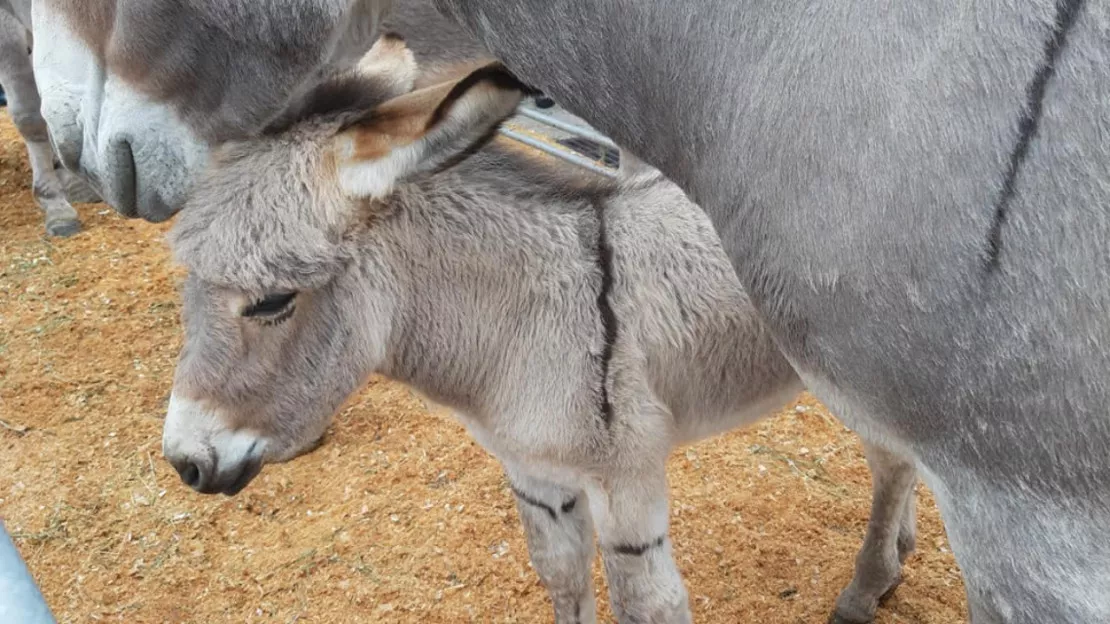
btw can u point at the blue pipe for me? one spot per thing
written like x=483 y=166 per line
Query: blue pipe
x=586 y=133
x=20 y=598
x=558 y=152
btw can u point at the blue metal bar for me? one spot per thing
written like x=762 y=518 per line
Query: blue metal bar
x=587 y=133
x=564 y=154
x=20 y=599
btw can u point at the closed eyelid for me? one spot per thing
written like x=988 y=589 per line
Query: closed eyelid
x=270 y=305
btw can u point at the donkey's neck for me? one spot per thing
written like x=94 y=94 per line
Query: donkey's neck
x=632 y=70
x=768 y=114
x=493 y=281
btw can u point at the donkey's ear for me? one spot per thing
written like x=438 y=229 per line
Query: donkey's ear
x=391 y=63
x=424 y=129
x=387 y=70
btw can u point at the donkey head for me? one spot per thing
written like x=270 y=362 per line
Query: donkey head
x=283 y=316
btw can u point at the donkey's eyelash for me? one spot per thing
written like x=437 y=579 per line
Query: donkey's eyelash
x=281 y=317
x=272 y=305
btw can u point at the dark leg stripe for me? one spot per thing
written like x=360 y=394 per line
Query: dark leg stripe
x=566 y=507
x=533 y=502
x=628 y=549
x=1066 y=11
x=569 y=505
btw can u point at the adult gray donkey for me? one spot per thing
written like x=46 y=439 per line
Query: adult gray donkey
x=914 y=195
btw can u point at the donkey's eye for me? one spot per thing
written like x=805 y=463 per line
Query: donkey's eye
x=272 y=305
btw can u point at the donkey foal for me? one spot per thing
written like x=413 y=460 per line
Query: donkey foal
x=581 y=328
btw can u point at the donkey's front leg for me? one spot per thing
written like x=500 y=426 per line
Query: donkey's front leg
x=891 y=535
x=560 y=537
x=632 y=519
x=17 y=76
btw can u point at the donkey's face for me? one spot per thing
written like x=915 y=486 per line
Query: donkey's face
x=285 y=309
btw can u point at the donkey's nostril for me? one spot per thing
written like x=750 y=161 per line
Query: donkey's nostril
x=190 y=473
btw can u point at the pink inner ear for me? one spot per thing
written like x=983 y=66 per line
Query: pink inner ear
x=387 y=146
x=396 y=123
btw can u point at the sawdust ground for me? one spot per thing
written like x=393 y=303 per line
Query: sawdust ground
x=399 y=517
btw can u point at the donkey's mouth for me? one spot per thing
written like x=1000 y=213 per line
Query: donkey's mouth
x=209 y=457
x=227 y=482
x=246 y=474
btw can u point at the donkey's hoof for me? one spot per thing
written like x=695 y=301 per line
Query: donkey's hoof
x=63 y=228
x=890 y=590
x=856 y=610
x=836 y=618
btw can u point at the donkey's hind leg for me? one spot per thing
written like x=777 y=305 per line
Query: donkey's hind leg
x=891 y=536
x=560 y=539
x=17 y=76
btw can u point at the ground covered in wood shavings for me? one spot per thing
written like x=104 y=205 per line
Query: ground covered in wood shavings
x=399 y=517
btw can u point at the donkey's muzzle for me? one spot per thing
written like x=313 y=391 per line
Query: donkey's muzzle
x=207 y=479
x=208 y=456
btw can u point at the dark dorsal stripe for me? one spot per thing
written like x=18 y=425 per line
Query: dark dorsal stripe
x=1029 y=123
x=605 y=310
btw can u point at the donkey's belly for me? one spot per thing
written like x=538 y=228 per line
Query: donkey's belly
x=525 y=456
x=699 y=424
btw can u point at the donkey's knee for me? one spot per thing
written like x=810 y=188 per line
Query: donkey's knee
x=30 y=124
x=76 y=188
x=644 y=583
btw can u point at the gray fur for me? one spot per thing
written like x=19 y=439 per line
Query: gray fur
x=943 y=289
x=433 y=38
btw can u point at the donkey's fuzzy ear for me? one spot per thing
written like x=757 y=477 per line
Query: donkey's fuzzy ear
x=390 y=62
x=387 y=70
x=422 y=130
